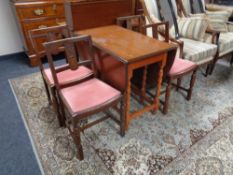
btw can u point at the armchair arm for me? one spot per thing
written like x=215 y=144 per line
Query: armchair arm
x=131 y=21
x=215 y=35
x=156 y=30
x=180 y=44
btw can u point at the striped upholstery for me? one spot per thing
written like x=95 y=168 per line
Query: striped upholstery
x=218 y=25
x=197 y=6
x=152 y=8
x=225 y=43
x=167 y=12
x=230 y=27
x=197 y=51
x=219 y=15
x=193 y=28
x=215 y=7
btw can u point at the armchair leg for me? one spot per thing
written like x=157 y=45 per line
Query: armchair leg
x=231 y=62
x=192 y=82
x=167 y=96
x=178 y=83
x=212 y=67
x=208 y=69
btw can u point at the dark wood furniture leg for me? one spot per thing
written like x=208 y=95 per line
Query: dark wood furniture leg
x=192 y=82
x=231 y=62
x=167 y=96
x=178 y=83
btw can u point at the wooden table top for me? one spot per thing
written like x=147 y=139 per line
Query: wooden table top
x=126 y=45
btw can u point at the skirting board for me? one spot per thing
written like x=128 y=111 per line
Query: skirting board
x=13 y=55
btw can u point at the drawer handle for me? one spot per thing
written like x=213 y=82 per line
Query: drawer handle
x=42 y=26
x=39 y=12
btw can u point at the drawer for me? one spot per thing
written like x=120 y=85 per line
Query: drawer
x=36 y=25
x=45 y=10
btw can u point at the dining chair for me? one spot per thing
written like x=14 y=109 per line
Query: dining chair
x=189 y=40
x=180 y=67
x=52 y=34
x=177 y=69
x=218 y=21
x=81 y=99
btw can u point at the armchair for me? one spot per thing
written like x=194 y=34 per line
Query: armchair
x=225 y=41
x=200 y=52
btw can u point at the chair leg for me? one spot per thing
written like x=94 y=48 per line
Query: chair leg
x=77 y=139
x=122 y=118
x=192 y=82
x=212 y=67
x=47 y=92
x=208 y=70
x=57 y=104
x=231 y=62
x=167 y=96
x=178 y=83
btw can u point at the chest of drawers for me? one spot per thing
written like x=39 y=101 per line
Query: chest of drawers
x=37 y=14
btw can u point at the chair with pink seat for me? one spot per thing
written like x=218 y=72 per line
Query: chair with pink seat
x=79 y=99
x=179 y=68
x=51 y=34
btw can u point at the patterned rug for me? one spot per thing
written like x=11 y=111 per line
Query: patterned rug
x=194 y=138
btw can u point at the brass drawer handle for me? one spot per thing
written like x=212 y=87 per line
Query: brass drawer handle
x=39 y=12
x=42 y=26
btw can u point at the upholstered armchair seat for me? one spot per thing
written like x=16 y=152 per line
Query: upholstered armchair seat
x=225 y=43
x=68 y=75
x=198 y=52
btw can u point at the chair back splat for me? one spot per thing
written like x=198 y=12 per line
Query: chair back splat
x=47 y=34
x=71 y=53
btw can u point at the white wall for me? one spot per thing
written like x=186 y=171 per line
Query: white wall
x=10 y=41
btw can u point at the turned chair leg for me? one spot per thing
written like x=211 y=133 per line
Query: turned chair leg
x=167 y=96
x=192 y=82
x=122 y=119
x=76 y=134
x=178 y=83
x=143 y=90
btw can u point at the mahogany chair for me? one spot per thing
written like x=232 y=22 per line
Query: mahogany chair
x=179 y=69
x=51 y=34
x=82 y=98
x=175 y=69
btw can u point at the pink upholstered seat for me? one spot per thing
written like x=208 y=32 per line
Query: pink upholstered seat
x=68 y=75
x=88 y=95
x=181 y=66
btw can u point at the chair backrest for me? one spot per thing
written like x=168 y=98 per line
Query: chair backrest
x=39 y=36
x=72 y=53
x=132 y=22
x=168 y=12
x=194 y=6
x=197 y=6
